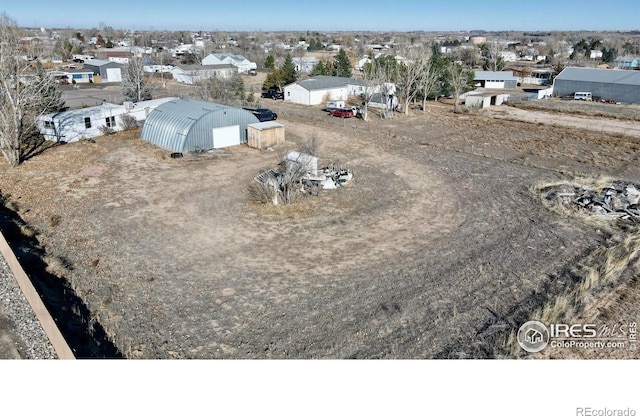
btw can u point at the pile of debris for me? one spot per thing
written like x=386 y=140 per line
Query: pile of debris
x=296 y=175
x=332 y=176
x=618 y=200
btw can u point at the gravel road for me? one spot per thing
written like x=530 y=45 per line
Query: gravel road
x=21 y=335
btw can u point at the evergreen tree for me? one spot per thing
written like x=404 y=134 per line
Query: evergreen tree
x=342 y=64
x=270 y=62
x=319 y=69
x=609 y=55
x=289 y=73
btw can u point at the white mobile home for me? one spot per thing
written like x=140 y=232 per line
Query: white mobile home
x=192 y=74
x=85 y=123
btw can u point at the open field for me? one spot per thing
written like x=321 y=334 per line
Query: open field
x=439 y=248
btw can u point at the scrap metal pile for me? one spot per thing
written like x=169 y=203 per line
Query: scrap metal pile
x=617 y=200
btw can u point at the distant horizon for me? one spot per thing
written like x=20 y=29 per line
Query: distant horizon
x=336 y=16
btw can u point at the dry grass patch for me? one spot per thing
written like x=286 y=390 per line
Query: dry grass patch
x=601 y=272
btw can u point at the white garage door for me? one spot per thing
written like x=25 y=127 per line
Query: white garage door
x=114 y=75
x=226 y=136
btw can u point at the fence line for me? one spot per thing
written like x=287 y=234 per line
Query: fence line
x=48 y=324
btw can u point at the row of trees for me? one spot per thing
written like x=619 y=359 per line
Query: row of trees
x=422 y=73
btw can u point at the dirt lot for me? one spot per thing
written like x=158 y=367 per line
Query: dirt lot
x=437 y=249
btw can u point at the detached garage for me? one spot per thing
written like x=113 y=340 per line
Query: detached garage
x=184 y=126
x=617 y=84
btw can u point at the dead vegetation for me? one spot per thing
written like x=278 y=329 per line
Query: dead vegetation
x=603 y=271
x=439 y=235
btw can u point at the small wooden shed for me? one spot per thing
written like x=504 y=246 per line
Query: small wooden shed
x=263 y=135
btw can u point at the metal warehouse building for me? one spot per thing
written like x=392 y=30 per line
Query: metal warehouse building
x=617 y=84
x=189 y=125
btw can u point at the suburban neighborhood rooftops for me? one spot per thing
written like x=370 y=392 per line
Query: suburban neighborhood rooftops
x=608 y=76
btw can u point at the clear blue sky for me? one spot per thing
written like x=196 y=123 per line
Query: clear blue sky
x=329 y=15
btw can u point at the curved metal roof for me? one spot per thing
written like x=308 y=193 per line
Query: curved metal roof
x=186 y=125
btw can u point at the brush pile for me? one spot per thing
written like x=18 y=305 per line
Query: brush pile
x=617 y=200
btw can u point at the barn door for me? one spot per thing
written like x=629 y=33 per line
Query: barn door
x=114 y=75
x=226 y=136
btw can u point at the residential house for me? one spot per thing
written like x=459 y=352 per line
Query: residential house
x=192 y=74
x=85 y=123
x=305 y=64
x=626 y=62
x=321 y=88
x=240 y=62
x=73 y=76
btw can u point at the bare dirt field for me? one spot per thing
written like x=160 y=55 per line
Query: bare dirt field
x=439 y=247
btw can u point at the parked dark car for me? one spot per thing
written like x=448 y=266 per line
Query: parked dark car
x=273 y=94
x=342 y=112
x=263 y=114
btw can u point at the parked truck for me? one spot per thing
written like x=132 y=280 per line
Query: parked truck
x=273 y=93
x=263 y=114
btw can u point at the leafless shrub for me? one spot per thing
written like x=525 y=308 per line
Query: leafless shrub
x=263 y=192
x=105 y=130
x=311 y=146
x=128 y=122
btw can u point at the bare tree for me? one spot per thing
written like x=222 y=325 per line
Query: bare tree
x=26 y=92
x=428 y=83
x=135 y=86
x=412 y=74
x=494 y=60
x=374 y=78
x=283 y=186
x=460 y=80
x=311 y=146
x=222 y=89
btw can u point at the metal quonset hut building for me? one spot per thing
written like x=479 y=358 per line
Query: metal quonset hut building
x=617 y=84
x=183 y=126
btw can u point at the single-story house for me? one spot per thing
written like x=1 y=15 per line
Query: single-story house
x=192 y=74
x=242 y=64
x=509 y=56
x=495 y=79
x=317 y=89
x=617 y=84
x=71 y=76
x=107 y=71
x=158 y=68
x=626 y=62
x=190 y=125
x=85 y=123
x=305 y=64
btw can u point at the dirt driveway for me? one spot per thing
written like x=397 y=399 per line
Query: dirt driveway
x=570 y=121
x=436 y=249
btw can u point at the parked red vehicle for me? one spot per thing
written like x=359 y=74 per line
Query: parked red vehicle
x=341 y=112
